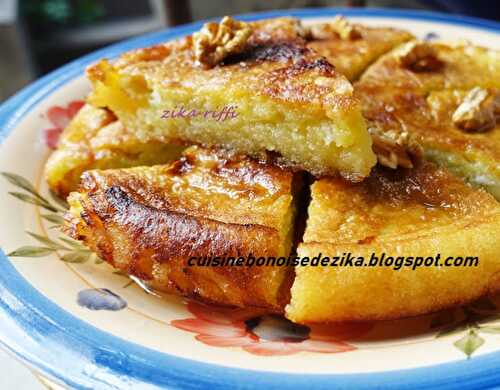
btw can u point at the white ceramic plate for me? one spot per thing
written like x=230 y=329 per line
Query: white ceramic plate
x=84 y=326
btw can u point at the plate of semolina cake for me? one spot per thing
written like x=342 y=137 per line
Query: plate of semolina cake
x=292 y=199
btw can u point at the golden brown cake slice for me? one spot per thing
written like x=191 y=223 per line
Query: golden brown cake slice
x=431 y=66
x=252 y=87
x=467 y=139
x=431 y=121
x=95 y=139
x=448 y=101
x=419 y=212
x=149 y=221
x=352 y=47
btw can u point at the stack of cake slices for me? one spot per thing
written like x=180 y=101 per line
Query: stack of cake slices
x=344 y=140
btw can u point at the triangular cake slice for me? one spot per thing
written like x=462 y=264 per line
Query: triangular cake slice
x=420 y=212
x=95 y=139
x=467 y=137
x=446 y=98
x=352 y=47
x=149 y=221
x=426 y=66
x=276 y=96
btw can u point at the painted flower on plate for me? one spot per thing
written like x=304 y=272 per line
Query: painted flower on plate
x=266 y=335
x=100 y=299
x=59 y=117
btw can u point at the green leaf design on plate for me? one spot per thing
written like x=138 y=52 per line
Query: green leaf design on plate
x=77 y=245
x=490 y=329
x=478 y=317
x=47 y=241
x=76 y=252
x=33 y=195
x=75 y=257
x=54 y=218
x=31 y=251
x=21 y=182
x=33 y=200
x=469 y=343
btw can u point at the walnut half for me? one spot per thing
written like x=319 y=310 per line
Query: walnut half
x=479 y=110
x=339 y=27
x=395 y=149
x=215 y=41
x=419 y=57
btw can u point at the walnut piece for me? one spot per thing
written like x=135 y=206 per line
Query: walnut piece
x=215 y=41
x=339 y=27
x=479 y=110
x=419 y=57
x=395 y=149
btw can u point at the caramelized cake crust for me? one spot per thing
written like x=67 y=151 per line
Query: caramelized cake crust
x=352 y=53
x=289 y=100
x=424 y=103
x=419 y=212
x=458 y=65
x=95 y=139
x=149 y=221
x=295 y=109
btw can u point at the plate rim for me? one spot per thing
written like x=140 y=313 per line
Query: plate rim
x=30 y=319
